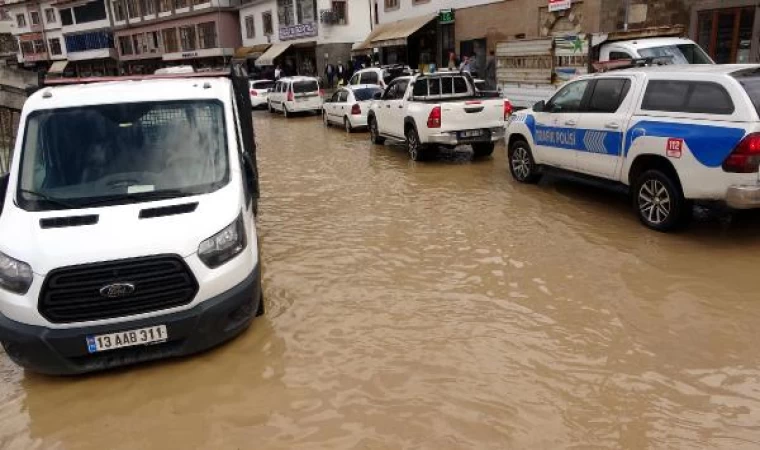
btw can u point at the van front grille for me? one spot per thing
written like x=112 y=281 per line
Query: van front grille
x=97 y=291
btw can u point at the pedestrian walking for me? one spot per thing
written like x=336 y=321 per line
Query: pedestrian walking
x=341 y=73
x=330 y=74
x=491 y=72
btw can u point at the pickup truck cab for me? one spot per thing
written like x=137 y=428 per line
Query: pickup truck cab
x=672 y=135
x=435 y=109
x=127 y=230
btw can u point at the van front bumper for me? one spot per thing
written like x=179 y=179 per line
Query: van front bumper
x=64 y=351
x=743 y=197
x=452 y=138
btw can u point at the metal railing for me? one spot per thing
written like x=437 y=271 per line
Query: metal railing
x=9 y=119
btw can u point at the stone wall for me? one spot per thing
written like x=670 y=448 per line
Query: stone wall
x=643 y=13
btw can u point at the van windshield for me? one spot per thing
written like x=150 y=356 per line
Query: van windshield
x=122 y=153
x=678 y=54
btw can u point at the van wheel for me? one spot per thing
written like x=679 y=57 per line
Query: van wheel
x=261 y=310
x=374 y=132
x=417 y=151
x=483 y=149
x=324 y=119
x=659 y=201
x=269 y=107
x=521 y=163
x=347 y=125
x=285 y=112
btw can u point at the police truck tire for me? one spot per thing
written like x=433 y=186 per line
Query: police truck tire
x=261 y=310
x=659 y=202
x=483 y=149
x=374 y=132
x=417 y=151
x=521 y=164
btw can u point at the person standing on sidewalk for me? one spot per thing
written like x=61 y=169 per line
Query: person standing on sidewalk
x=491 y=72
x=330 y=75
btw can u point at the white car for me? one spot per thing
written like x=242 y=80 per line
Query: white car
x=260 y=92
x=127 y=228
x=296 y=94
x=380 y=76
x=349 y=106
x=673 y=135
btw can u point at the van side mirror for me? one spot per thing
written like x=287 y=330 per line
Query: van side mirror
x=378 y=95
x=3 y=189
x=539 y=107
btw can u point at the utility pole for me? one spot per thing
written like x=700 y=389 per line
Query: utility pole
x=627 y=12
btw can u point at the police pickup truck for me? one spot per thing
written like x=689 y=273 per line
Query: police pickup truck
x=673 y=135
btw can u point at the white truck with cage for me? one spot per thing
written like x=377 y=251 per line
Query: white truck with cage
x=127 y=228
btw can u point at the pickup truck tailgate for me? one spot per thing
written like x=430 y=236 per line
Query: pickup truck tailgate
x=472 y=115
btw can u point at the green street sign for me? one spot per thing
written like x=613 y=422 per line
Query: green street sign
x=446 y=16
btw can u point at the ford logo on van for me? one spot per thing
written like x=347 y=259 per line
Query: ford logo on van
x=117 y=290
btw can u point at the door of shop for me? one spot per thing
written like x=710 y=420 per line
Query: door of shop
x=726 y=34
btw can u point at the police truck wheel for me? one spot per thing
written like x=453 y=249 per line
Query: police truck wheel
x=262 y=308
x=659 y=201
x=417 y=151
x=374 y=132
x=483 y=149
x=521 y=163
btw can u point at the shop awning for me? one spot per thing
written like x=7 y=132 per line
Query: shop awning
x=267 y=59
x=253 y=51
x=393 y=33
x=58 y=67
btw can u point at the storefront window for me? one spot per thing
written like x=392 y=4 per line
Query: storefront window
x=285 y=12
x=187 y=38
x=207 y=35
x=170 y=40
x=726 y=34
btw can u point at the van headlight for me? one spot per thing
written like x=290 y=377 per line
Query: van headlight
x=15 y=276
x=224 y=245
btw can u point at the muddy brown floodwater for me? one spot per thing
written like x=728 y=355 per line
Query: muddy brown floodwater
x=442 y=306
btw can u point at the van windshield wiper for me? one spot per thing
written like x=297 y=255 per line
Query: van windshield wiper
x=52 y=200
x=138 y=197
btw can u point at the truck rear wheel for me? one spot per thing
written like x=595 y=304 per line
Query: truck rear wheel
x=374 y=132
x=261 y=310
x=659 y=201
x=521 y=164
x=417 y=151
x=483 y=149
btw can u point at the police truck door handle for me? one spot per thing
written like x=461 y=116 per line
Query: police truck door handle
x=612 y=125
x=570 y=122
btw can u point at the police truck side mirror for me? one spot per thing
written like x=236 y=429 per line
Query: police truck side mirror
x=539 y=107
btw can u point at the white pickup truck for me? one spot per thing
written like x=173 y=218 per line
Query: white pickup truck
x=439 y=109
x=673 y=135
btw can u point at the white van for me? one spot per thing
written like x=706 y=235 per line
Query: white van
x=127 y=228
x=296 y=94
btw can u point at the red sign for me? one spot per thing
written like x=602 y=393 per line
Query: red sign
x=674 y=148
x=559 y=5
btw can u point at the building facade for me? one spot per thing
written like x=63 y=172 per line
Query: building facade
x=309 y=33
x=728 y=30
x=152 y=34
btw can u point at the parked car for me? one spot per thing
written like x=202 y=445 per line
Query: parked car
x=296 y=94
x=260 y=92
x=443 y=109
x=349 y=106
x=672 y=135
x=129 y=235
x=380 y=76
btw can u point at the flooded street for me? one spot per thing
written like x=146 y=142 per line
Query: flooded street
x=441 y=305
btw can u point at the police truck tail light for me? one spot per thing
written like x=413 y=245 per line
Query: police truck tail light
x=321 y=92
x=291 y=97
x=507 y=109
x=434 y=119
x=745 y=158
x=254 y=93
x=356 y=110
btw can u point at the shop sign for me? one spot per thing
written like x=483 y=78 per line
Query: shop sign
x=446 y=16
x=190 y=55
x=559 y=5
x=298 y=31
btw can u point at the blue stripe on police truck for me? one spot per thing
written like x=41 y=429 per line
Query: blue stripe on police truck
x=709 y=144
x=592 y=141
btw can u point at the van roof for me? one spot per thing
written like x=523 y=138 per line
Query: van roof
x=129 y=91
